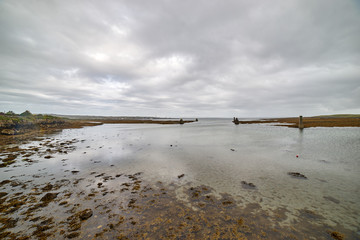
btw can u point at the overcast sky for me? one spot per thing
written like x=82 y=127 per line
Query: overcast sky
x=180 y=58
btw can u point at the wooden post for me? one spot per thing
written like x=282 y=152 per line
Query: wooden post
x=301 y=124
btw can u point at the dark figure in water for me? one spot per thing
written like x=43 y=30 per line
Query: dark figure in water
x=236 y=121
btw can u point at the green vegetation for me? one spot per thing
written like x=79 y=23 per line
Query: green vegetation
x=339 y=116
x=13 y=124
x=26 y=116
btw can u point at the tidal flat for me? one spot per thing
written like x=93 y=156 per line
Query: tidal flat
x=204 y=180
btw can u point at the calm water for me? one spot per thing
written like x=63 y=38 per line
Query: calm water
x=216 y=153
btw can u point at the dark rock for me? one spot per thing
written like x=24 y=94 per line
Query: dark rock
x=247 y=185
x=181 y=176
x=74 y=172
x=87 y=213
x=48 y=187
x=49 y=197
x=297 y=175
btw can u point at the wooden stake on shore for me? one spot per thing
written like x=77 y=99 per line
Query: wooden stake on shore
x=301 y=124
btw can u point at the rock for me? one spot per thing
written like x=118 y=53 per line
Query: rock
x=297 y=175
x=48 y=187
x=248 y=185
x=182 y=175
x=85 y=214
x=49 y=197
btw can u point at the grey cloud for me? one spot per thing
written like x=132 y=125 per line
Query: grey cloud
x=163 y=58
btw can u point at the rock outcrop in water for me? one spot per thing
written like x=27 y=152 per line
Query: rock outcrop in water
x=236 y=121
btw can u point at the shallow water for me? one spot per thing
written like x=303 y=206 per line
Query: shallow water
x=220 y=155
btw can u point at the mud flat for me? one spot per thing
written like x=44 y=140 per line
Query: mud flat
x=124 y=206
x=106 y=204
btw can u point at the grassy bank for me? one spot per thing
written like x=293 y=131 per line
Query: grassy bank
x=348 y=120
x=26 y=126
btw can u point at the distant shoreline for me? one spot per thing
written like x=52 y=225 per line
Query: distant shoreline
x=318 y=121
x=15 y=128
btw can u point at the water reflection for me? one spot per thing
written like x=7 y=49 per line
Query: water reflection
x=218 y=155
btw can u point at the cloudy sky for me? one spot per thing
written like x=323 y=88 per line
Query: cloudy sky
x=209 y=58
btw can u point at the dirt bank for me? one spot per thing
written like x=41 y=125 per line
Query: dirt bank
x=325 y=121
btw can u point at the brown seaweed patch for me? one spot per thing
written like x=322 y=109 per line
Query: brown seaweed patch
x=337 y=235
x=43 y=227
x=2 y=194
x=309 y=214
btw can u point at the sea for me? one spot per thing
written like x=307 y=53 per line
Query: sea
x=314 y=171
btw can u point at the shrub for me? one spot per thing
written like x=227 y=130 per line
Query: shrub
x=10 y=113
x=27 y=113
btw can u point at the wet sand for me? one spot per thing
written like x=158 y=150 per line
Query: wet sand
x=311 y=122
x=106 y=204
